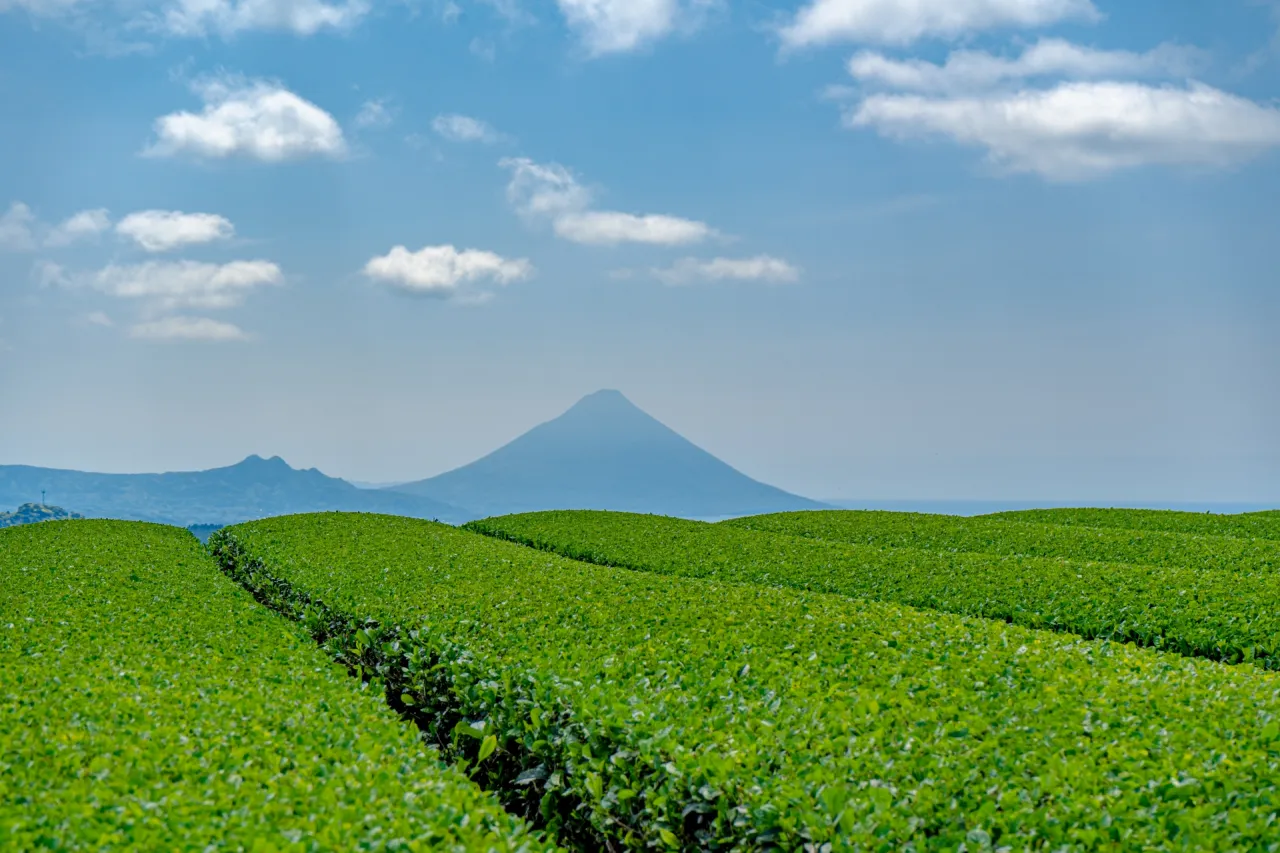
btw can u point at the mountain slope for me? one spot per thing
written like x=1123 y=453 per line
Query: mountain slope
x=254 y=488
x=605 y=453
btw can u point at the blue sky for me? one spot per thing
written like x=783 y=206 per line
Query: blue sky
x=946 y=249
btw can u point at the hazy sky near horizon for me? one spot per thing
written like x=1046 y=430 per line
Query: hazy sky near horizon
x=947 y=249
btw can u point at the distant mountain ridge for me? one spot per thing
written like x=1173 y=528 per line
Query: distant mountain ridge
x=605 y=453
x=32 y=513
x=252 y=488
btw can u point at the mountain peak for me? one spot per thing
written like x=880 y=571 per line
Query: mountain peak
x=253 y=460
x=605 y=398
x=604 y=453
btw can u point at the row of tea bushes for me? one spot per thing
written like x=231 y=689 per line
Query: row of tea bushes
x=1223 y=614
x=148 y=703
x=1245 y=525
x=646 y=711
x=1012 y=538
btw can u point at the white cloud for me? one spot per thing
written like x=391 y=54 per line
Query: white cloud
x=1081 y=130
x=550 y=191
x=443 y=270
x=538 y=189
x=16 y=226
x=169 y=285
x=162 y=230
x=610 y=228
x=968 y=70
x=86 y=223
x=460 y=128
x=99 y=318
x=760 y=268
x=905 y=21
x=374 y=114
x=620 y=26
x=249 y=118
x=187 y=329
x=227 y=17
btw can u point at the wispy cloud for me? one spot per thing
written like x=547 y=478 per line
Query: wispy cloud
x=198 y=18
x=761 y=268
x=550 y=191
x=182 y=328
x=169 y=285
x=375 y=114
x=970 y=70
x=460 y=128
x=621 y=26
x=1080 y=130
x=80 y=226
x=164 y=230
x=897 y=22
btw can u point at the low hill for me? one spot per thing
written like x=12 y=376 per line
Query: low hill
x=253 y=488
x=605 y=453
x=30 y=513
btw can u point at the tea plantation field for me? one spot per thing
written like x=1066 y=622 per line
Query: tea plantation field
x=810 y=682
x=148 y=703
x=644 y=710
x=1015 y=538
x=1248 y=525
x=1220 y=613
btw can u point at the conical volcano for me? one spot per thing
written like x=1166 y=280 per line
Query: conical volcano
x=605 y=453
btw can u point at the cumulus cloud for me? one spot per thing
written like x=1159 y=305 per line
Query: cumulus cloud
x=254 y=119
x=550 y=191
x=968 y=70
x=198 y=18
x=898 y=22
x=1080 y=130
x=99 y=318
x=443 y=270
x=16 y=228
x=163 y=230
x=85 y=224
x=170 y=285
x=620 y=26
x=180 y=328
x=759 y=268
x=374 y=114
x=460 y=128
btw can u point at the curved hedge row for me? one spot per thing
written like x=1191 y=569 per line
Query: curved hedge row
x=147 y=703
x=651 y=712
x=1246 y=525
x=1012 y=538
x=1221 y=615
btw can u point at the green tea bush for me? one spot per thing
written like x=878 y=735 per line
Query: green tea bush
x=1247 y=525
x=645 y=711
x=1224 y=615
x=148 y=703
x=1021 y=539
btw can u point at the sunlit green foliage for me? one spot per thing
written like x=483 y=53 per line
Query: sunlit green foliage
x=1219 y=614
x=1015 y=538
x=1247 y=525
x=147 y=703
x=658 y=711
